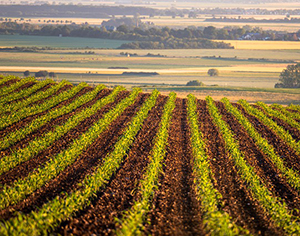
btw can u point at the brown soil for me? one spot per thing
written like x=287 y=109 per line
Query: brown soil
x=61 y=90
x=293 y=131
x=23 y=169
x=39 y=90
x=15 y=126
x=6 y=84
x=263 y=167
x=24 y=86
x=290 y=157
x=50 y=126
x=176 y=211
x=237 y=198
x=99 y=217
x=68 y=179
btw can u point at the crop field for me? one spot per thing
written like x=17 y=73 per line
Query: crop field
x=59 y=42
x=264 y=45
x=87 y=160
x=175 y=67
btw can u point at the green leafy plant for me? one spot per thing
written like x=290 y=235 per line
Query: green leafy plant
x=274 y=206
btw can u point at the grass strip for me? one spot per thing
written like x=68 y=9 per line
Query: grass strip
x=280 y=131
x=14 y=86
x=133 y=219
x=9 y=119
x=45 y=141
x=216 y=221
x=274 y=206
x=278 y=114
x=37 y=123
x=52 y=213
x=292 y=176
x=39 y=96
x=23 y=187
x=24 y=92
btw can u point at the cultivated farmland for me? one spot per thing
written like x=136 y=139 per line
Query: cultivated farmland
x=87 y=160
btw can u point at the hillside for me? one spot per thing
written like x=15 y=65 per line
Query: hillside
x=87 y=160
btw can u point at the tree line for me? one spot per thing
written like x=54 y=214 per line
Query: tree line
x=148 y=38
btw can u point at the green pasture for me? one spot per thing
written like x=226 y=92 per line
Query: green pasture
x=56 y=41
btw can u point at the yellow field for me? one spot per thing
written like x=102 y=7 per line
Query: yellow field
x=193 y=70
x=263 y=45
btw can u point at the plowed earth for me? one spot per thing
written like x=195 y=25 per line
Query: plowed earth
x=175 y=209
x=237 y=199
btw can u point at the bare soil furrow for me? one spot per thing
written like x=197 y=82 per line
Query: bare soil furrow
x=292 y=131
x=290 y=157
x=176 y=211
x=23 y=169
x=50 y=126
x=99 y=217
x=263 y=166
x=6 y=84
x=39 y=90
x=237 y=198
x=27 y=120
x=67 y=181
x=24 y=86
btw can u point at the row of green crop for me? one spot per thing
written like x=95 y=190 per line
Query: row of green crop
x=133 y=219
x=21 y=133
x=45 y=141
x=217 y=222
x=8 y=89
x=7 y=78
x=24 y=92
x=294 y=107
x=275 y=207
x=292 y=176
x=280 y=131
x=11 y=118
x=289 y=114
x=55 y=211
x=278 y=114
x=23 y=187
x=39 y=96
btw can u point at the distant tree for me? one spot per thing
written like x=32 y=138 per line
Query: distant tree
x=210 y=32
x=192 y=14
x=290 y=77
x=213 y=72
x=27 y=73
x=41 y=73
x=52 y=74
x=123 y=28
x=194 y=83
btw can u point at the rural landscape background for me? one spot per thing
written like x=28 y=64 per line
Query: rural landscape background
x=135 y=117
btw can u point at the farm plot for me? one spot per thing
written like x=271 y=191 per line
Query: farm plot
x=81 y=160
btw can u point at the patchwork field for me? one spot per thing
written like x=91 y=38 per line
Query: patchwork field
x=87 y=160
x=256 y=66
